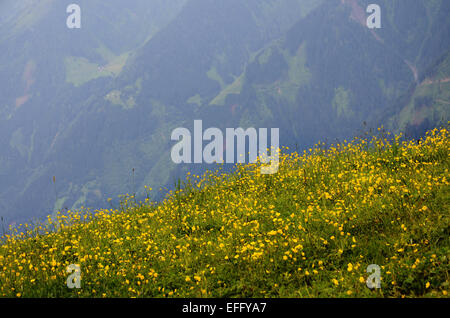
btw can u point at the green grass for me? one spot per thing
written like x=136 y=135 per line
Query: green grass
x=80 y=70
x=233 y=88
x=311 y=230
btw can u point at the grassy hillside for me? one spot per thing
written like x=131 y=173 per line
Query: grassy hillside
x=310 y=230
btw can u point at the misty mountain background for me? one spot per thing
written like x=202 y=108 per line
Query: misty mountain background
x=89 y=105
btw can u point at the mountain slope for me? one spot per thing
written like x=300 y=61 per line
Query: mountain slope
x=426 y=103
x=330 y=68
x=42 y=65
x=99 y=119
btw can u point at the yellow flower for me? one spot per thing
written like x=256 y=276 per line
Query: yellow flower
x=349 y=267
x=427 y=285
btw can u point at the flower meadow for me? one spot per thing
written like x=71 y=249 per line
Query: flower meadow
x=311 y=230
